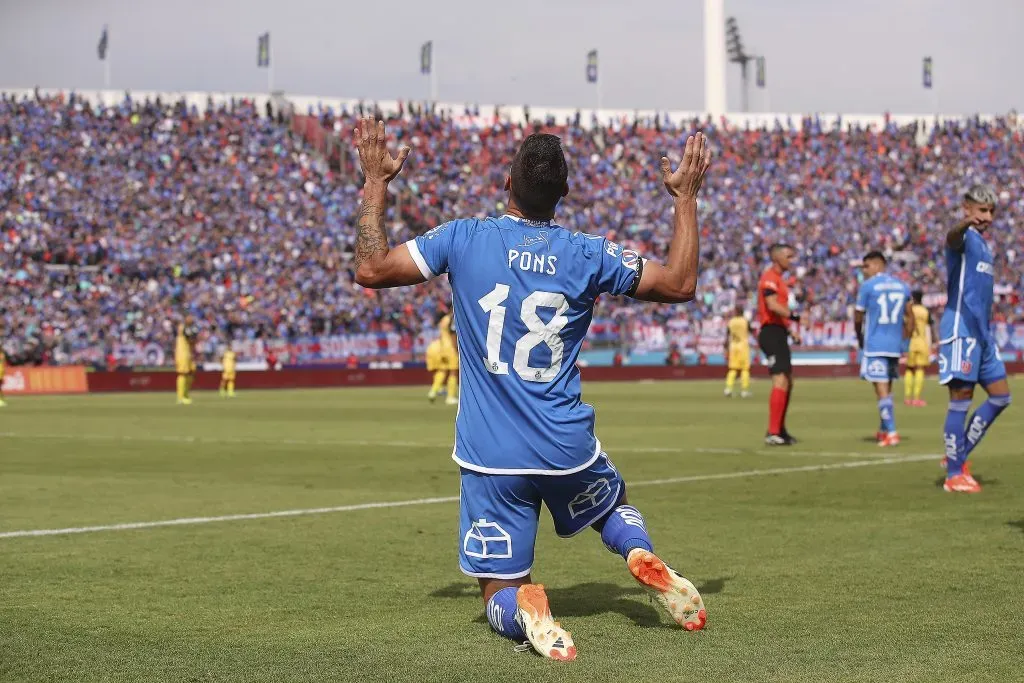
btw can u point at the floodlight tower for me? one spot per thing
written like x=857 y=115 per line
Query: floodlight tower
x=737 y=55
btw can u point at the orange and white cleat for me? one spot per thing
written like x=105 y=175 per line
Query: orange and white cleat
x=961 y=483
x=676 y=594
x=546 y=635
x=890 y=439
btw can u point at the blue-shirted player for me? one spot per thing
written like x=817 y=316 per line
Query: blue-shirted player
x=523 y=291
x=967 y=348
x=882 y=319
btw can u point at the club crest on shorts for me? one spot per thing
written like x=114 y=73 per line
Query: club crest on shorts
x=965 y=367
x=487 y=540
x=876 y=367
x=595 y=496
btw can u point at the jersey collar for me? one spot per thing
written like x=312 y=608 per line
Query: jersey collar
x=527 y=221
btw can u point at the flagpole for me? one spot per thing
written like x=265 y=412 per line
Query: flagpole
x=106 y=72
x=433 y=76
x=270 y=65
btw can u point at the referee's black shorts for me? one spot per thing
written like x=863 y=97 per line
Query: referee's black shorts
x=774 y=343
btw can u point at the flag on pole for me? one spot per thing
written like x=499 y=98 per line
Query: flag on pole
x=101 y=49
x=927 y=75
x=762 y=72
x=592 y=66
x=426 y=57
x=263 y=51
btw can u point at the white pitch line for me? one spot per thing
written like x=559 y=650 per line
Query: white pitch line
x=448 y=499
x=172 y=438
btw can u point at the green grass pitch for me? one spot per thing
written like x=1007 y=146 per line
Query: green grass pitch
x=832 y=561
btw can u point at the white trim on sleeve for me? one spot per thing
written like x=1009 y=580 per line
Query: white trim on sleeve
x=417 y=257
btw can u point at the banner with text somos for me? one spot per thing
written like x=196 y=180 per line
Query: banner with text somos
x=68 y=379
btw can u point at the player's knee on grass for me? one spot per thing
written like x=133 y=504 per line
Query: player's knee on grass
x=782 y=381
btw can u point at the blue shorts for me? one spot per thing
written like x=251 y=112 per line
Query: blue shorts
x=970 y=360
x=499 y=514
x=879 y=368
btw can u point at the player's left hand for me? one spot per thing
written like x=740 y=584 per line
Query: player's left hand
x=375 y=160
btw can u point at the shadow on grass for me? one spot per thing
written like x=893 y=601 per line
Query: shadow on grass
x=591 y=599
x=1017 y=524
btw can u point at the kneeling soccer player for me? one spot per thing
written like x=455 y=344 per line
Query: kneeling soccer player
x=523 y=290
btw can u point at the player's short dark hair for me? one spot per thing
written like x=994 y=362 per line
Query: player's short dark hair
x=876 y=256
x=917 y=295
x=778 y=246
x=539 y=175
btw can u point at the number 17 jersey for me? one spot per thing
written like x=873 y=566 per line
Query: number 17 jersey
x=523 y=294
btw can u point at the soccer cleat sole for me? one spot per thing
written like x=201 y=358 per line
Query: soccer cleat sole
x=950 y=486
x=677 y=595
x=546 y=635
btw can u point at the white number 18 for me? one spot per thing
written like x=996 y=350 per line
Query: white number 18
x=539 y=333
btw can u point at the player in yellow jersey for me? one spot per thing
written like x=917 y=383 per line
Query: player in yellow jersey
x=3 y=368
x=434 y=365
x=919 y=351
x=450 y=356
x=227 y=375
x=184 y=360
x=737 y=350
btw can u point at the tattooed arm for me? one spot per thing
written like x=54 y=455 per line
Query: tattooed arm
x=378 y=266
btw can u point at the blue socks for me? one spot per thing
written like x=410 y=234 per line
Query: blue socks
x=953 y=434
x=501 y=613
x=986 y=413
x=887 y=414
x=624 y=530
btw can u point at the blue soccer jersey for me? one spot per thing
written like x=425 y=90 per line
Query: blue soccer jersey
x=523 y=293
x=883 y=300
x=970 y=281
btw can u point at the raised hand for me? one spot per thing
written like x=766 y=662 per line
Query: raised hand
x=375 y=160
x=686 y=180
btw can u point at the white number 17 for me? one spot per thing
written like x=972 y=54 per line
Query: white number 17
x=539 y=333
x=891 y=315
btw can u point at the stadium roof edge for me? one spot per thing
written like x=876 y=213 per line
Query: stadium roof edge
x=516 y=114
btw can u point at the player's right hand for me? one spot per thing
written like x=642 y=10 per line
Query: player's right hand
x=375 y=160
x=686 y=180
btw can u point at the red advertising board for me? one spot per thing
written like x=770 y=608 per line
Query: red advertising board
x=69 y=379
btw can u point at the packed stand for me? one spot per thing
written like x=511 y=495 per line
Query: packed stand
x=115 y=222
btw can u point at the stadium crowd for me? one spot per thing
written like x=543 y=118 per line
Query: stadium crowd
x=115 y=222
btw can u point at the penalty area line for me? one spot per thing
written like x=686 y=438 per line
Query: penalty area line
x=190 y=521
